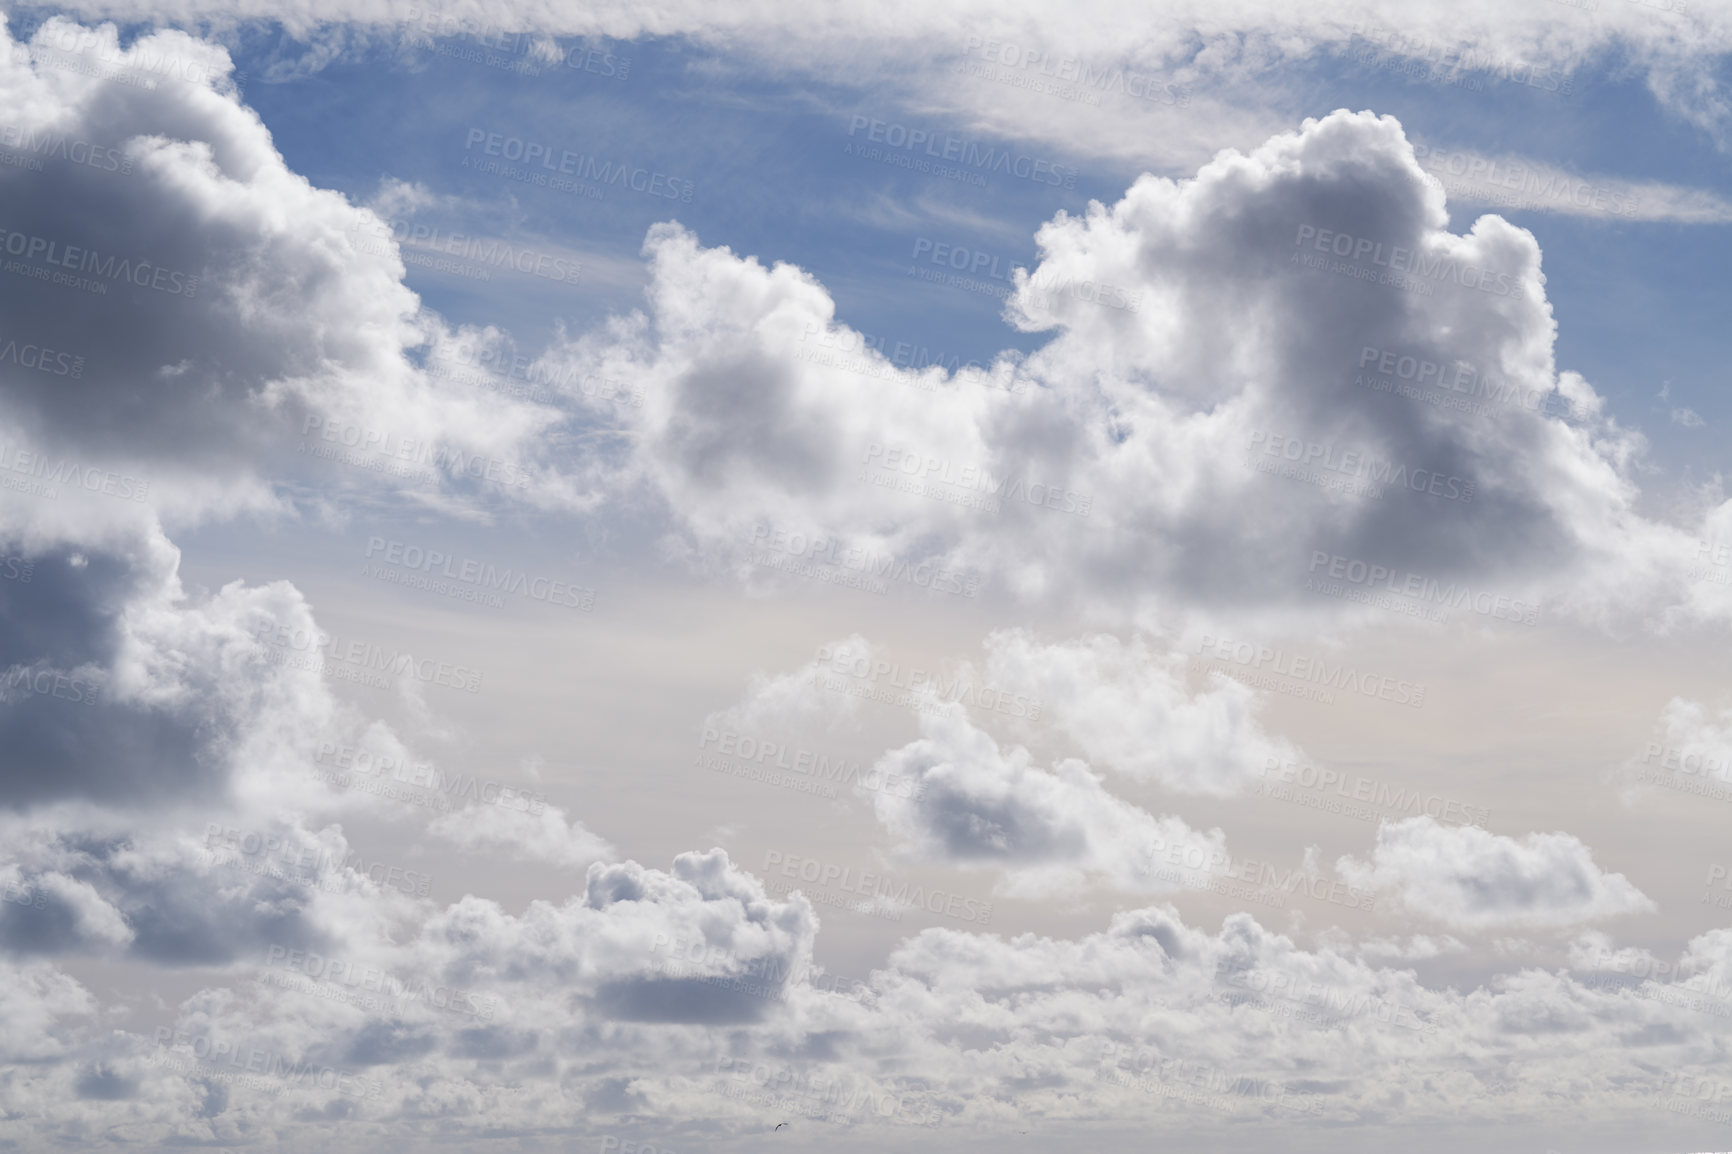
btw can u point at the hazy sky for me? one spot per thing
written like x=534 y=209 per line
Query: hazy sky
x=953 y=577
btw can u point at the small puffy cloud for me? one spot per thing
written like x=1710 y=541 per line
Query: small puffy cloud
x=776 y=703
x=1129 y=709
x=1051 y=831
x=536 y=833
x=1471 y=879
x=1693 y=739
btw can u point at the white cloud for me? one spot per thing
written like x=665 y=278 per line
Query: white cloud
x=1469 y=878
x=776 y=703
x=1052 y=831
x=545 y=835
x=1130 y=710
x=261 y=335
x=1145 y=425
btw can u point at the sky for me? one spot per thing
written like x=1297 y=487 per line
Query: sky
x=914 y=577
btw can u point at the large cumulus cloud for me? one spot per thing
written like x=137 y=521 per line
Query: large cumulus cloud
x=1106 y=480
x=229 y=313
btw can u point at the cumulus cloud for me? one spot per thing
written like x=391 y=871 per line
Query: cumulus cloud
x=122 y=688
x=537 y=833
x=1051 y=831
x=639 y=944
x=229 y=314
x=1129 y=709
x=1469 y=878
x=1098 y=473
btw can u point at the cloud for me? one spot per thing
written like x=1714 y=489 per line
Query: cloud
x=1051 y=831
x=795 y=700
x=1094 y=472
x=1510 y=183
x=119 y=687
x=1108 y=87
x=639 y=944
x=1130 y=710
x=235 y=328
x=1468 y=878
x=545 y=835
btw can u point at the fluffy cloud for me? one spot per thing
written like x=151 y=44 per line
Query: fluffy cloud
x=1050 y=830
x=1469 y=878
x=1130 y=710
x=230 y=315
x=775 y=703
x=1097 y=470
x=545 y=835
